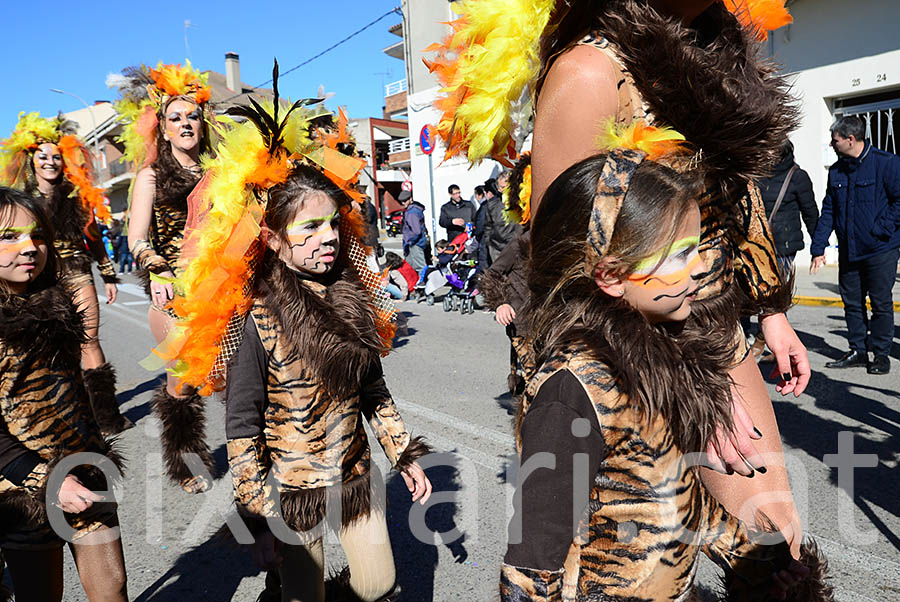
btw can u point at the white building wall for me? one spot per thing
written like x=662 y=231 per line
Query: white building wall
x=452 y=171
x=835 y=49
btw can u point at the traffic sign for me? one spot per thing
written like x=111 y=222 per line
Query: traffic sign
x=406 y=185
x=426 y=140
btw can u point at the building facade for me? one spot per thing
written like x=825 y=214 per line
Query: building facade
x=843 y=59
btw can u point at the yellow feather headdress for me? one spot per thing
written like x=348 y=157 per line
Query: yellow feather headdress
x=223 y=239
x=31 y=131
x=144 y=92
x=490 y=62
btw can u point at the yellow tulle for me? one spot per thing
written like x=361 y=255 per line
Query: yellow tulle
x=486 y=66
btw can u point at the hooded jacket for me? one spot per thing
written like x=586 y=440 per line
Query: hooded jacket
x=861 y=205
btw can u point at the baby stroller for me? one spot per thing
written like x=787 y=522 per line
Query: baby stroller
x=457 y=268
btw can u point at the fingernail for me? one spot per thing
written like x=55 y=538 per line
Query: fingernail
x=785 y=376
x=756 y=430
x=762 y=470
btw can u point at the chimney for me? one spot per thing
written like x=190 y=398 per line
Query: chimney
x=233 y=72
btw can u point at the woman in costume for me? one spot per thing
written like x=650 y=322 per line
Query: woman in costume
x=165 y=111
x=43 y=157
x=47 y=496
x=276 y=288
x=688 y=64
x=624 y=393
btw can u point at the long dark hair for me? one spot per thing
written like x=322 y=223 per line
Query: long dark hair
x=174 y=182
x=11 y=199
x=655 y=366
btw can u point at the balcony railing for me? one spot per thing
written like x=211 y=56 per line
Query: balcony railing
x=398 y=146
x=395 y=88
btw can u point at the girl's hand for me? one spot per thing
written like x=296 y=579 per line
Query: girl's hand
x=74 y=497
x=161 y=294
x=111 y=291
x=417 y=482
x=783 y=581
x=267 y=551
x=728 y=451
x=505 y=314
x=791 y=360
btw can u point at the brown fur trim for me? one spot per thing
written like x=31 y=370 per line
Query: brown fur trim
x=183 y=432
x=303 y=509
x=672 y=370
x=414 y=450
x=101 y=388
x=336 y=336
x=495 y=288
x=44 y=324
x=815 y=588
x=337 y=589
x=78 y=264
x=737 y=109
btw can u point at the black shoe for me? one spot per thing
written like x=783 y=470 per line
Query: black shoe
x=851 y=359
x=881 y=364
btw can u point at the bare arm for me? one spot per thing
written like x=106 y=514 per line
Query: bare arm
x=141 y=206
x=578 y=96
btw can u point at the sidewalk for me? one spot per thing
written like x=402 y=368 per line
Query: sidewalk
x=820 y=289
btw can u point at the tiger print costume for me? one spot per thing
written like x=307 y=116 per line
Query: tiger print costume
x=307 y=372
x=647 y=515
x=46 y=416
x=73 y=229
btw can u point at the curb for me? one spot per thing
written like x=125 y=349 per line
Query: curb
x=830 y=302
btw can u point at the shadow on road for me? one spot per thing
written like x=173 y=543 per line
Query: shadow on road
x=136 y=413
x=417 y=560
x=818 y=436
x=211 y=571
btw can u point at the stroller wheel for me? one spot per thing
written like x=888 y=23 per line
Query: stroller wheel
x=470 y=305
x=429 y=299
x=448 y=303
x=463 y=306
x=454 y=303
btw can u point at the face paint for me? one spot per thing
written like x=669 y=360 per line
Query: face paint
x=662 y=286
x=676 y=267
x=23 y=250
x=312 y=237
x=182 y=125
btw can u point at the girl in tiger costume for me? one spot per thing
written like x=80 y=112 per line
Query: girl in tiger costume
x=277 y=306
x=625 y=396
x=46 y=159
x=165 y=113
x=45 y=418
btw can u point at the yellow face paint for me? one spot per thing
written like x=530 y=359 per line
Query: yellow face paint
x=658 y=271
x=15 y=238
x=305 y=225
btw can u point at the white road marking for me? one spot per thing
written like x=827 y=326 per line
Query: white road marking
x=464 y=426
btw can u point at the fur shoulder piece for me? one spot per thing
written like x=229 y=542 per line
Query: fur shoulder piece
x=709 y=83
x=334 y=333
x=43 y=324
x=66 y=213
x=675 y=373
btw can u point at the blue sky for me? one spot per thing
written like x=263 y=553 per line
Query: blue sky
x=67 y=46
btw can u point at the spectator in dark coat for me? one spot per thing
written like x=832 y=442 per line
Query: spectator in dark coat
x=497 y=233
x=799 y=200
x=862 y=206
x=455 y=213
x=415 y=236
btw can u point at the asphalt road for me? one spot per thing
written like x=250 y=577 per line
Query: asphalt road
x=448 y=376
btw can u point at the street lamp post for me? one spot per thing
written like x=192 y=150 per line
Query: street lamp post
x=93 y=121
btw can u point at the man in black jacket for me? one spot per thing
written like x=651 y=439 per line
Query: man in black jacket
x=798 y=201
x=455 y=213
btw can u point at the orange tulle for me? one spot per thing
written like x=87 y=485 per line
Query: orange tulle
x=761 y=16
x=176 y=80
x=77 y=169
